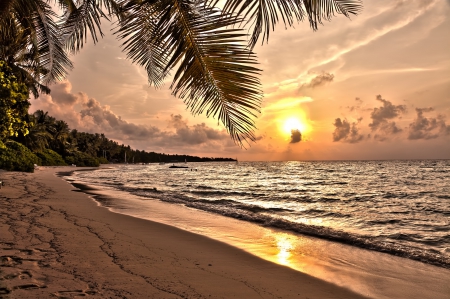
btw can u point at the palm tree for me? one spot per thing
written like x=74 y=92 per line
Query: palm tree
x=216 y=68
x=31 y=43
x=38 y=137
x=60 y=134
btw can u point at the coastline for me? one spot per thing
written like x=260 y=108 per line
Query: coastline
x=371 y=273
x=55 y=242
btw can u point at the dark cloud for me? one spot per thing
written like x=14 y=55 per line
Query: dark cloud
x=107 y=121
x=62 y=95
x=382 y=124
x=427 y=127
x=346 y=132
x=319 y=80
x=96 y=118
x=196 y=134
x=296 y=136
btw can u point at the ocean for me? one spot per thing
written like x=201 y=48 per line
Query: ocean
x=398 y=207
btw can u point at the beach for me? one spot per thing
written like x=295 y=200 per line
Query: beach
x=59 y=243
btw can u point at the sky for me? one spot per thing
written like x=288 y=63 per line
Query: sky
x=376 y=86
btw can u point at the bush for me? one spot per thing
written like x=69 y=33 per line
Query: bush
x=15 y=156
x=14 y=104
x=51 y=158
x=103 y=160
x=81 y=159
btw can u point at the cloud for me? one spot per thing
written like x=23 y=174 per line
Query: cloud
x=61 y=94
x=196 y=134
x=93 y=117
x=427 y=128
x=381 y=119
x=108 y=122
x=353 y=108
x=319 y=80
x=346 y=132
x=296 y=136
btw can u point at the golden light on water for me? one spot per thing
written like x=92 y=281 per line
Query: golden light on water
x=285 y=247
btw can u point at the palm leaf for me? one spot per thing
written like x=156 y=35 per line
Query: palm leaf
x=263 y=15
x=30 y=44
x=215 y=70
x=78 y=19
x=49 y=44
x=138 y=29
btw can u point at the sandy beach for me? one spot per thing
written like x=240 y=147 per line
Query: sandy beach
x=59 y=243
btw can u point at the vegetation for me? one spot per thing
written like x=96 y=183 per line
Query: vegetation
x=14 y=104
x=214 y=66
x=15 y=156
x=50 y=158
x=50 y=142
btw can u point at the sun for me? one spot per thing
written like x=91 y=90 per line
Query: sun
x=293 y=123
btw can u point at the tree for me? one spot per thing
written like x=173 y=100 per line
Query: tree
x=31 y=43
x=14 y=104
x=216 y=68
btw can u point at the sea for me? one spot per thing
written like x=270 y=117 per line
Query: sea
x=401 y=208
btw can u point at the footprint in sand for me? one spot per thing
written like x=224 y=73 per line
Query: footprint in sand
x=20 y=275
x=30 y=286
x=10 y=261
x=72 y=294
x=4 y=291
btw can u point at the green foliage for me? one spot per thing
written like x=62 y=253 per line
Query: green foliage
x=50 y=158
x=14 y=104
x=16 y=156
x=81 y=159
x=103 y=160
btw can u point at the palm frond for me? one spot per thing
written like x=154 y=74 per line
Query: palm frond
x=78 y=20
x=215 y=69
x=139 y=30
x=5 y=6
x=319 y=10
x=264 y=15
x=31 y=44
x=49 y=44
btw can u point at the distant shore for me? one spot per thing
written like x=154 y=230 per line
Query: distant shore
x=60 y=243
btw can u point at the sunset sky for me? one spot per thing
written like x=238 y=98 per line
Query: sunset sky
x=373 y=87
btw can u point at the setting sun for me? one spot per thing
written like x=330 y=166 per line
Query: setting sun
x=293 y=123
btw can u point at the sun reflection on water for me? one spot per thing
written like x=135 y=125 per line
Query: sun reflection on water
x=285 y=246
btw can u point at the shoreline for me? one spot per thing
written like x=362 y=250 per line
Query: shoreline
x=371 y=273
x=56 y=242
x=430 y=256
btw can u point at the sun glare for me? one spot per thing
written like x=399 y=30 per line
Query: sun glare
x=293 y=123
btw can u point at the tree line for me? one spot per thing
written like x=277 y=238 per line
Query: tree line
x=50 y=142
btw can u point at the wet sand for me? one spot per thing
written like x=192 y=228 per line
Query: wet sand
x=55 y=242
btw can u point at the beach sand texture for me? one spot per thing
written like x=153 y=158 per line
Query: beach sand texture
x=57 y=243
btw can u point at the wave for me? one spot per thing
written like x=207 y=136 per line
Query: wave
x=260 y=215
x=402 y=227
